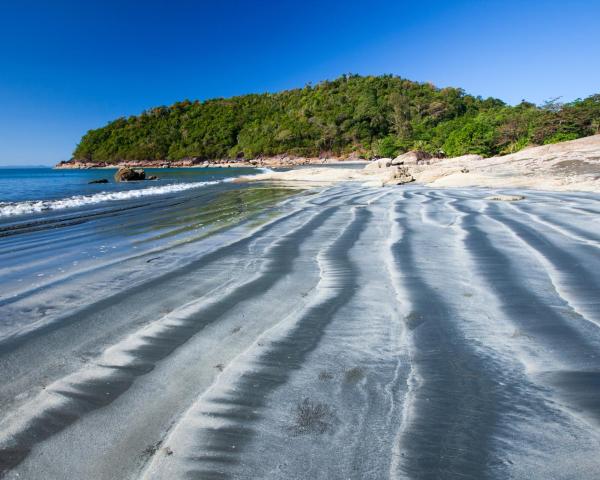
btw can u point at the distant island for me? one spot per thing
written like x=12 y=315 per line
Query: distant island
x=352 y=117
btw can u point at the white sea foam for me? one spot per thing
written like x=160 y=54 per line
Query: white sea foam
x=32 y=206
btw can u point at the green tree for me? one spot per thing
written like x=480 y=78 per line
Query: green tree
x=384 y=115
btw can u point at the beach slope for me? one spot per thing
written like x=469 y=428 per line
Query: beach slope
x=354 y=332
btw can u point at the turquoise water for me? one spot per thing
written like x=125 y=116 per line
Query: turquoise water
x=33 y=190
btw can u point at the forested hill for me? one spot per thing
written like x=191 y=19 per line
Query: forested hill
x=383 y=115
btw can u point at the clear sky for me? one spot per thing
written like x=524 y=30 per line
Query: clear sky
x=69 y=66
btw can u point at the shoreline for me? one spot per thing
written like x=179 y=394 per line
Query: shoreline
x=566 y=166
x=268 y=162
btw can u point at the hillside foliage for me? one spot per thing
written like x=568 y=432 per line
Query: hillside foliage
x=365 y=115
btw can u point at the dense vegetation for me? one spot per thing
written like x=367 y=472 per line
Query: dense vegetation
x=382 y=116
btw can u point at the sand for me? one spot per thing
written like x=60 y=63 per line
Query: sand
x=350 y=332
x=567 y=166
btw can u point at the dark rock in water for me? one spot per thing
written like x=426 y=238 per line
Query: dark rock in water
x=152 y=177
x=100 y=180
x=126 y=174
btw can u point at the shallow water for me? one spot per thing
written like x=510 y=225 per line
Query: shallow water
x=253 y=332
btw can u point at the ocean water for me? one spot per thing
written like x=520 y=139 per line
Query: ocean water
x=33 y=190
x=57 y=229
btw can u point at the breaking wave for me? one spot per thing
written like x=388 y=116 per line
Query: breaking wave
x=33 y=206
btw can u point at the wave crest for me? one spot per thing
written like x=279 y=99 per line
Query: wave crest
x=33 y=206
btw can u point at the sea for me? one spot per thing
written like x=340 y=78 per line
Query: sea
x=58 y=229
x=25 y=191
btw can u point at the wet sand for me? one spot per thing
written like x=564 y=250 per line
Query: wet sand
x=342 y=332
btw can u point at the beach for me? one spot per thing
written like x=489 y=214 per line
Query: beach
x=295 y=243
x=249 y=330
x=565 y=166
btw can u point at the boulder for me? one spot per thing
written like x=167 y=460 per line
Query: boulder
x=126 y=174
x=400 y=176
x=377 y=164
x=100 y=180
x=152 y=177
x=414 y=157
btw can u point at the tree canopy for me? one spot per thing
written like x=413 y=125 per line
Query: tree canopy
x=365 y=115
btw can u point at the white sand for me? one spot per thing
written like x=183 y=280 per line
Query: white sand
x=567 y=166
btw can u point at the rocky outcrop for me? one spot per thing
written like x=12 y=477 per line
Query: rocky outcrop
x=100 y=180
x=378 y=164
x=415 y=157
x=399 y=176
x=196 y=162
x=126 y=174
x=470 y=157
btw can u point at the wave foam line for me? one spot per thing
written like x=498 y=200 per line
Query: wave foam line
x=33 y=206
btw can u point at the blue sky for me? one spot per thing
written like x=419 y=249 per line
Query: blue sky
x=69 y=66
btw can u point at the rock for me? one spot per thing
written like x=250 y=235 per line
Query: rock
x=415 y=157
x=152 y=177
x=126 y=174
x=505 y=198
x=166 y=165
x=469 y=157
x=400 y=176
x=100 y=180
x=377 y=164
x=464 y=170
